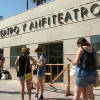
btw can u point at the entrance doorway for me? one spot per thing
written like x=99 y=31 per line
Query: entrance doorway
x=54 y=53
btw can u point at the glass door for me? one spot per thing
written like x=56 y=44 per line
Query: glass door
x=54 y=54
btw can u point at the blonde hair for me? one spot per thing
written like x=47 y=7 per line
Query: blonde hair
x=24 y=50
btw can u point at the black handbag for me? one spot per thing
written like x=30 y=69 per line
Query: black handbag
x=35 y=70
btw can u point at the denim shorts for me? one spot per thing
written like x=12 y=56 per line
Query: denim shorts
x=82 y=81
x=40 y=73
x=21 y=78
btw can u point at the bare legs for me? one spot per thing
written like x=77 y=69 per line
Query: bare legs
x=22 y=83
x=84 y=96
x=39 y=85
x=28 y=82
x=87 y=92
x=77 y=92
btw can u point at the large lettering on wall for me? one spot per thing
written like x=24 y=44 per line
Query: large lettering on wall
x=53 y=19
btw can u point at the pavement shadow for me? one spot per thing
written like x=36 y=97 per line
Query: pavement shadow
x=57 y=90
x=11 y=92
x=54 y=89
x=58 y=99
x=14 y=92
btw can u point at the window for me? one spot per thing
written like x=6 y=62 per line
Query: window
x=14 y=52
x=95 y=43
x=54 y=53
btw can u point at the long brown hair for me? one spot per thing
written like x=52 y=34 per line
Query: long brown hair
x=83 y=42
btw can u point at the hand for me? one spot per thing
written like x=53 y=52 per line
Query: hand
x=34 y=62
x=73 y=63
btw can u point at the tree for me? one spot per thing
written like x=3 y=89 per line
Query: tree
x=1 y=17
x=27 y=4
x=38 y=2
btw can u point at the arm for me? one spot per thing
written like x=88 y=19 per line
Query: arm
x=97 y=60
x=3 y=60
x=16 y=63
x=78 y=56
x=33 y=60
x=41 y=63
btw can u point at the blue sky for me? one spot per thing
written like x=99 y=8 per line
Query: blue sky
x=11 y=7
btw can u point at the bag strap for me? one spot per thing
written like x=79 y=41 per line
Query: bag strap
x=26 y=64
x=85 y=50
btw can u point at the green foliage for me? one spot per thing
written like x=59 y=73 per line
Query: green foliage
x=1 y=17
x=38 y=2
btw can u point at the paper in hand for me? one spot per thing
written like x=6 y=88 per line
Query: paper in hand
x=73 y=70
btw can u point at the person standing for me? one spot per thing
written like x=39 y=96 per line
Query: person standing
x=41 y=63
x=85 y=78
x=22 y=59
x=2 y=60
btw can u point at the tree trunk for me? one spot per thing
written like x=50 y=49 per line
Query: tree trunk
x=27 y=4
x=38 y=2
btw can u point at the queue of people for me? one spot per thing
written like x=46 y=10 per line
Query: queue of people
x=86 y=72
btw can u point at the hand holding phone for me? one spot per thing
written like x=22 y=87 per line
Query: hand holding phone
x=69 y=59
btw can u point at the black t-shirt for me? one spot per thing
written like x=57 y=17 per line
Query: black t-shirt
x=22 y=63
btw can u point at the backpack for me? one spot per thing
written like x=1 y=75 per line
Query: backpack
x=89 y=62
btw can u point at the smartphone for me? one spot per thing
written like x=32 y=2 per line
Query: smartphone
x=69 y=59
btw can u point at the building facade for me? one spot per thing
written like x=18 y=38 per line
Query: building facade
x=54 y=26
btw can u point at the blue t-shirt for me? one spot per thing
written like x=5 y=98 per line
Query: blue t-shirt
x=42 y=69
x=80 y=72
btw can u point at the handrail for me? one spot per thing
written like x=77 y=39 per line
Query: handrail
x=53 y=80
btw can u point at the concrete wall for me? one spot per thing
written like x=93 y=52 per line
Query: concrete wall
x=48 y=8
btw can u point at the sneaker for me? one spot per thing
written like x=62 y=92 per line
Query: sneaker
x=41 y=98
x=36 y=96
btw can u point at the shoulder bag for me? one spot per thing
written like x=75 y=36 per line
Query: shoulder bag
x=35 y=70
x=27 y=75
x=97 y=82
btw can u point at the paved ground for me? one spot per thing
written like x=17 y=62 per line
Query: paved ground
x=9 y=90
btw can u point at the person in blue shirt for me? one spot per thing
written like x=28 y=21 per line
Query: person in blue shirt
x=84 y=78
x=41 y=63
